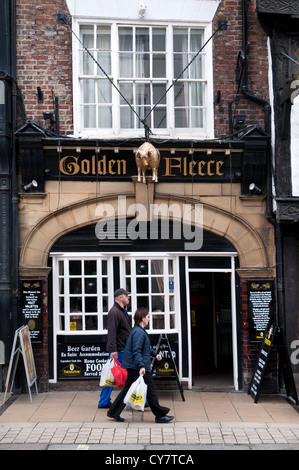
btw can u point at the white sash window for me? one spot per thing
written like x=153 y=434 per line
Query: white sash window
x=143 y=62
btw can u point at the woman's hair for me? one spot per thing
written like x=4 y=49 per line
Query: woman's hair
x=140 y=314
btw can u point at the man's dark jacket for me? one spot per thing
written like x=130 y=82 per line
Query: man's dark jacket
x=118 y=328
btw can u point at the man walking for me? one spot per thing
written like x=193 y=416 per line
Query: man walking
x=119 y=327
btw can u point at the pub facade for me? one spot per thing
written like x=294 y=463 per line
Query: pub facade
x=196 y=245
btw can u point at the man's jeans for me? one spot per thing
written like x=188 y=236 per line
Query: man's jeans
x=105 y=400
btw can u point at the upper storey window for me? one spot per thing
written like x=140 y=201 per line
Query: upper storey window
x=135 y=73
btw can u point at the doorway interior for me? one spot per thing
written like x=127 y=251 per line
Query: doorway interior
x=211 y=330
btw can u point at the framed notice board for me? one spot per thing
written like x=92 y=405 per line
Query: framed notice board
x=32 y=308
x=273 y=338
x=261 y=307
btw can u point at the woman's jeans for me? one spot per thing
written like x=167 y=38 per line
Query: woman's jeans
x=152 y=399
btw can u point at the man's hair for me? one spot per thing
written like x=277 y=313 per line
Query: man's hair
x=140 y=314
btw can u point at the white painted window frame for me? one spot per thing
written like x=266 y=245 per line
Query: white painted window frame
x=170 y=131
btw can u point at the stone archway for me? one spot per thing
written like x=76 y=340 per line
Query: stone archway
x=251 y=248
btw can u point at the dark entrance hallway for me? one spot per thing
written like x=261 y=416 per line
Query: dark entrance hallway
x=211 y=330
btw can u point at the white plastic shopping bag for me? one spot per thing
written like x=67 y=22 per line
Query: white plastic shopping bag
x=136 y=395
x=107 y=378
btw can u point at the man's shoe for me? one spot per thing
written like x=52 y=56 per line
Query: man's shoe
x=117 y=418
x=164 y=419
x=105 y=406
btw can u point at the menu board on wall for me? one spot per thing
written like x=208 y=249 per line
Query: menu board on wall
x=260 y=307
x=32 y=308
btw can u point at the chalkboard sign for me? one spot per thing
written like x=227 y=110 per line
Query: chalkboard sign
x=260 y=308
x=32 y=308
x=273 y=338
x=166 y=368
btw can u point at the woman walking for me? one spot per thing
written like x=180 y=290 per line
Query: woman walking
x=137 y=361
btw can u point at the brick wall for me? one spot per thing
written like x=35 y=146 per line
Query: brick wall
x=227 y=45
x=44 y=59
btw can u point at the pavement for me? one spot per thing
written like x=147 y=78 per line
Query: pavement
x=71 y=420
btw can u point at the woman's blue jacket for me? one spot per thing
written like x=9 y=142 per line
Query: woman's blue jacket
x=138 y=350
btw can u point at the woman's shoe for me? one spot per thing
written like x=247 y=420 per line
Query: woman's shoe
x=164 y=419
x=117 y=418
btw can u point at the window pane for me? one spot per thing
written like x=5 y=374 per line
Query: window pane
x=126 y=118
x=105 y=117
x=143 y=94
x=128 y=284
x=75 y=268
x=76 y=323
x=75 y=305
x=159 y=65
x=196 y=68
x=181 y=118
x=86 y=64
x=104 y=285
x=105 y=304
x=197 y=94
x=103 y=38
x=125 y=37
x=142 y=65
x=90 y=286
x=88 y=91
x=61 y=323
x=197 y=117
x=158 y=91
x=195 y=40
x=156 y=266
x=127 y=91
x=157 y=284
x=104 y=60
x=181 y=94
x=142 y=267
x=128 y=267
x=90 y=267
x=160 y=118
x=142 y=302
x=61 y=286
x=104 y=91
x=158 y=303
x=142 y=285
x=91 y=322
x=180 y=61
x=126 y=65
x=89 y=117
x=61 y=268
x=91 y=304
x=180 y=40
x=158 y=322
x=87 y=35
x=104 y=268
x=159 y=39
x=142 y=39
x=75 y=286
